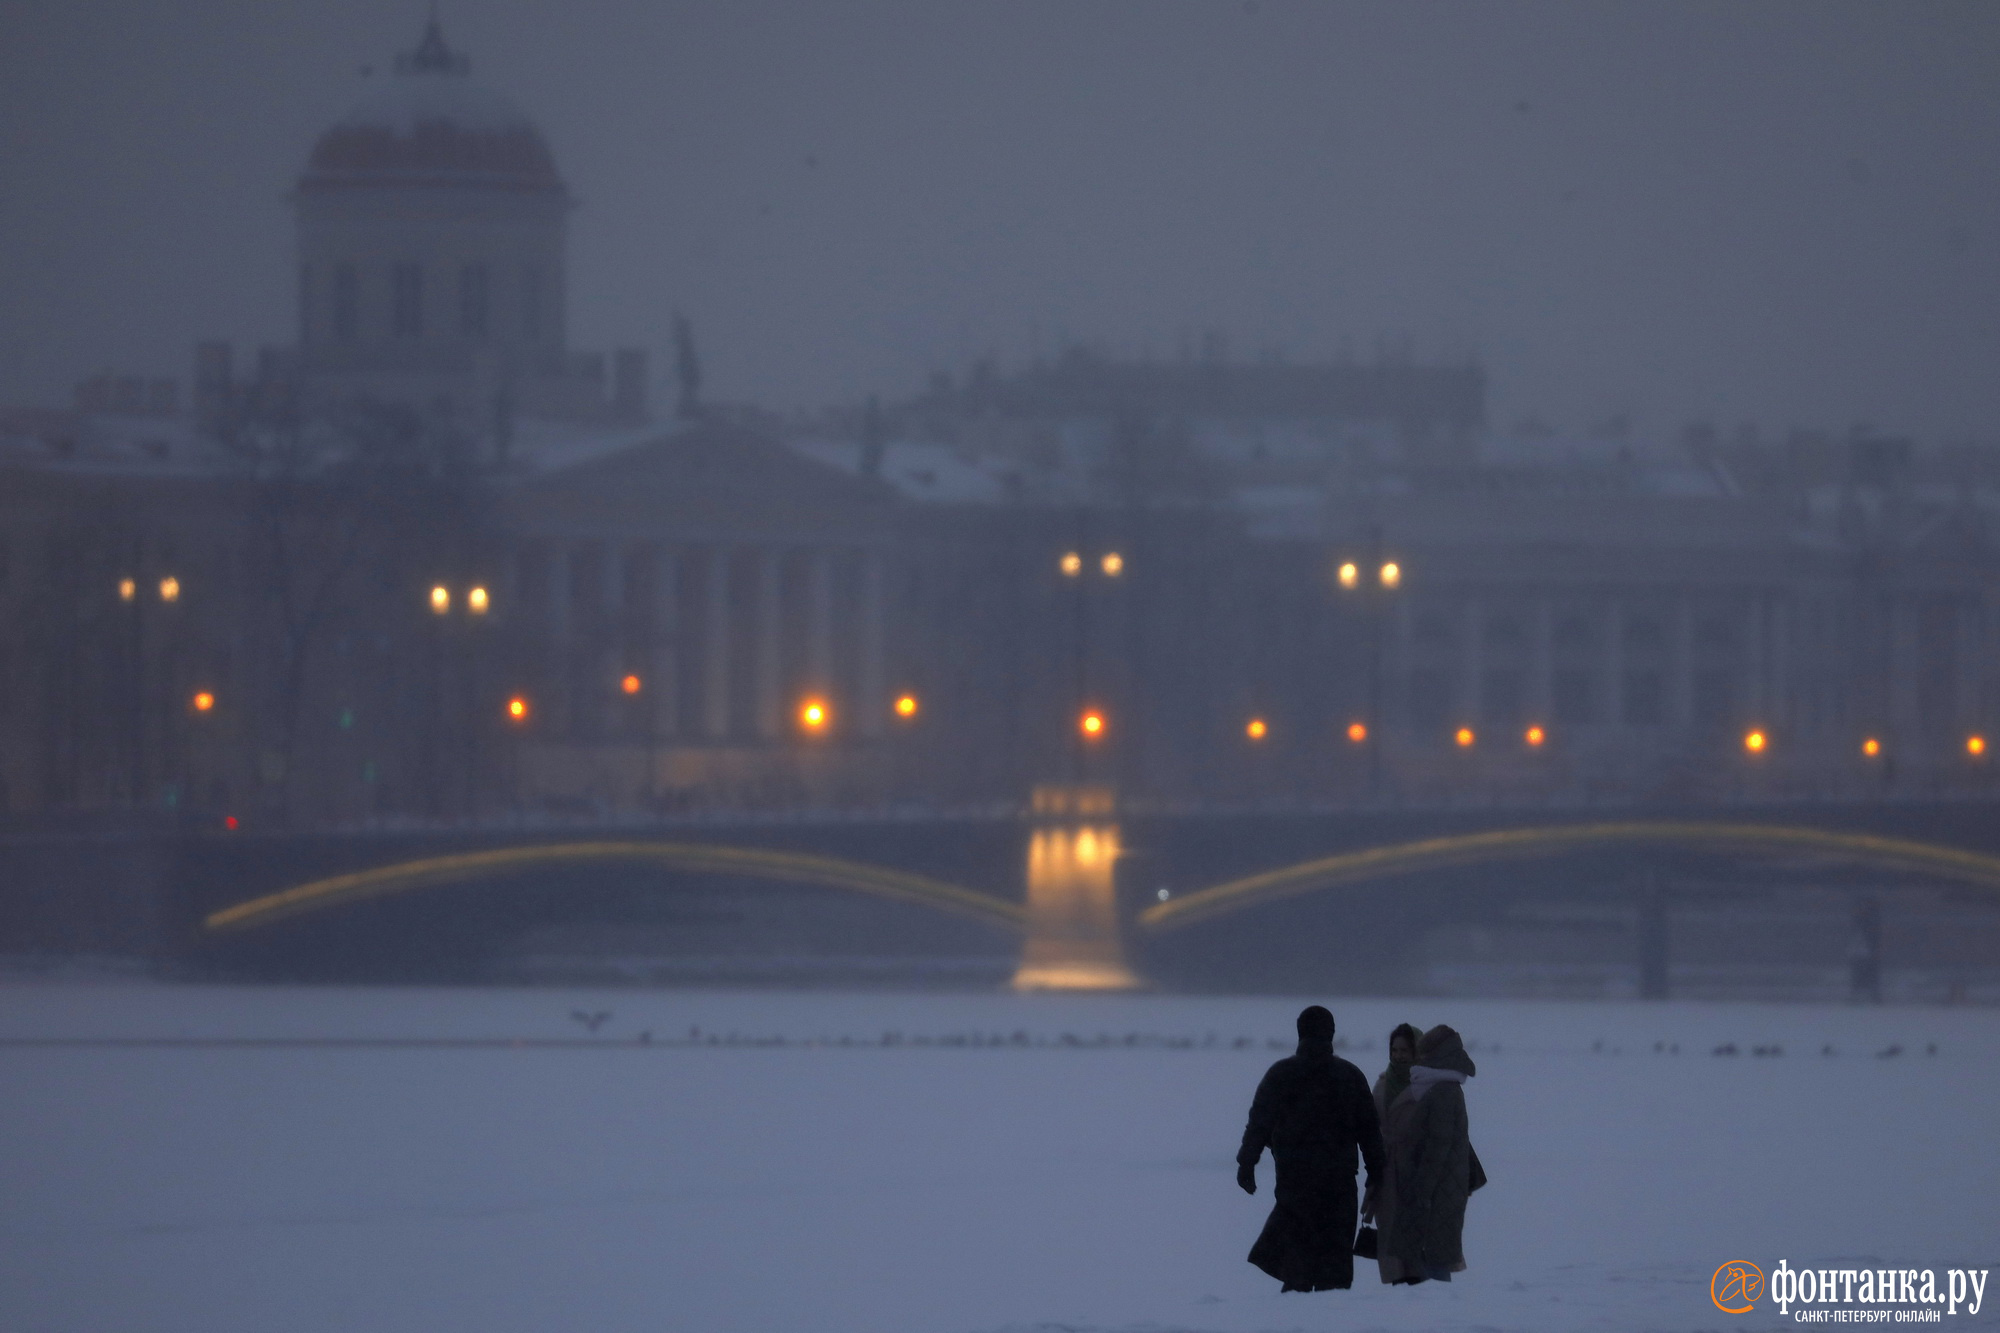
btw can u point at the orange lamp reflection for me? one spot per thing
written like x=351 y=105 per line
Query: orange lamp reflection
x=517 y=709
x=1465 y=737
x=1534 y=736
x=631 y=684
x=1113 y=564
x=1073 y=939
x=1755 y=742
x=203 y=701
x=1255 y=729
x=1871 y=747
x=906 y=705
x=814 y=715
x=1350 y=574
x=1975 y=746
x=1072 y=563
x=440 y=599
x=1092 y=723
x=1357 y=732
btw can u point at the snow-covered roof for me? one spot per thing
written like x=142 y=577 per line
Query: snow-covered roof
x=937 y=473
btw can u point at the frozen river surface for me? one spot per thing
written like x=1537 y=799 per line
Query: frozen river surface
x=289 y=1161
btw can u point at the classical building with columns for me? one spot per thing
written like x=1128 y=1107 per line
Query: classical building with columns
x=429 y=562
x=1334 y=584
x=705 y=620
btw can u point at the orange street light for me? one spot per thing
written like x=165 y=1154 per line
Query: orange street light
x=1755 y=742
x=476 y=601
x=1113 y=564
x=1534 y=736
x=517 y=709
x=1392 y=574
x=170 y=589
x=440 y=599
x=1357 y=732
x=203 y=701
x=814 y=715
x=1255 y=729
x=631 y=684
x=127 y=589
x=1975 y=745
x=1092 y=724
x=1072 y=563
x=906 y=705
x=1871 y=748
x=1465 y=738
x=1350 y=574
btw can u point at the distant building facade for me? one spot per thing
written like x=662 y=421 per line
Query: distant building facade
x=432 y=229
x=430 y=562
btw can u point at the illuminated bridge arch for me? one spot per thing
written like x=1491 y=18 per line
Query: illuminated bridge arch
x=1408 y=858
x=746 y=862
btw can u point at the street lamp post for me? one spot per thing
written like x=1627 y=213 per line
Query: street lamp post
x=135 y=592
x=1092 y=722
x=1373 y=578
x=446 y=608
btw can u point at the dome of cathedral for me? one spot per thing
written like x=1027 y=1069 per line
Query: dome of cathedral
x=430 y=124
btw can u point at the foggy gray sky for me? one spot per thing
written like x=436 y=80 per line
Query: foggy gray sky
x=1772 y=213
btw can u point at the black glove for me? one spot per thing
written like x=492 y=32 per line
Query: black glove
x=1246 y=1176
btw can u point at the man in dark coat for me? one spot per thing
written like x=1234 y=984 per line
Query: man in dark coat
x=1420 y=1212
x=1313 y=1111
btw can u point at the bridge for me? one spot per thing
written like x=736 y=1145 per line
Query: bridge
x=1075 y=896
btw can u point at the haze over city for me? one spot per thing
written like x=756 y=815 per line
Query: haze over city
x=1780 y=214
x=970 y=668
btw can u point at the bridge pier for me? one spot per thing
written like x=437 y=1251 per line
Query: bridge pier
x=1654 y=949
x=1074 y=941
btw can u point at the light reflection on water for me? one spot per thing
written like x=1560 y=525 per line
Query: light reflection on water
x=1073 y=941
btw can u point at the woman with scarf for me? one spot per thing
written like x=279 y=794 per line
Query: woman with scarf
x=1420 y=1209
x=1389 y=1084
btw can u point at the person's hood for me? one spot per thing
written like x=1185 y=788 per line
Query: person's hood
x=1441 y=1048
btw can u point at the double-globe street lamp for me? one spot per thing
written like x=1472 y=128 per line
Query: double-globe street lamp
x=1092 y=723
x=1373 y=579
x=446 y=608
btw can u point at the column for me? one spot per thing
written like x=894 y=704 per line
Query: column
x=1471 y=661
x=1966 y=700
x=1903 y=665
x=1756 y=658
x=609 y=653
x=715 y=647
x=819 y=620
x=1541 y=666
x=1781 y=615
x=1680 y=677
x=1614 y=663
x=770 y=706
x=1396 y=678
x=559 y=612
x=873 y=703
x=562 y=623
x=664 y=685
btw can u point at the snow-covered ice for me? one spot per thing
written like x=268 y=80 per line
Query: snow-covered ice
x=938 y=1182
